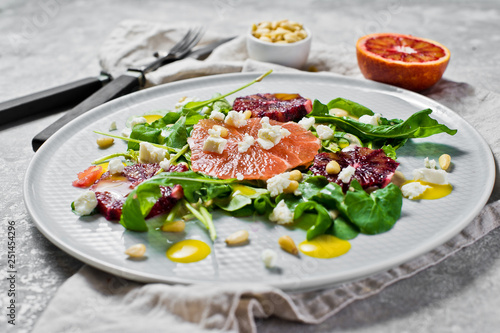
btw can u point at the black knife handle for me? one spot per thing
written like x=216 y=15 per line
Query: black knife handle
x=51 y=99
x=122 y=85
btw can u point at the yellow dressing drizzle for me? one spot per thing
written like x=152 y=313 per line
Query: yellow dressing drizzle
x=325 y=247
x=152 y=117
x=188 y=250
x=434 y=192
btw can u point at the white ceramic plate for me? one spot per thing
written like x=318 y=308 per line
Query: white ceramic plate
x=423 y=226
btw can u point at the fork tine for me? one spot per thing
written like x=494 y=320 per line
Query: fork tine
x=194 y=39
x=181 y=42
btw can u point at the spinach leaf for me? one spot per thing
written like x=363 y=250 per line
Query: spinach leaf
x=354 y=109
x=263 y=204
x=167 y=119
x=343 y=229
x=176 y=135
x=143 y=132
x=323 y=219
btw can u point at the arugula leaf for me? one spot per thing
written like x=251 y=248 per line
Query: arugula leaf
x=140 y=201
x=169 y=118
x=418 y=125
x=263 y=204
x=240 y=197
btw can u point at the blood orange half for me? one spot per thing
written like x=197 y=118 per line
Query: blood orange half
x=405 y=61
x=296 y=149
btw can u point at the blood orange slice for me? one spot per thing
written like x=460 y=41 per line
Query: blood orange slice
x=405 y=61
x=296 y=149
x=373 y=169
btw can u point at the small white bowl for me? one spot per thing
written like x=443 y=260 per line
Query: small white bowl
x=292 y=55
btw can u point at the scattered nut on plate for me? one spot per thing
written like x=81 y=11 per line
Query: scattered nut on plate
x=136 y=251
x=279 y=32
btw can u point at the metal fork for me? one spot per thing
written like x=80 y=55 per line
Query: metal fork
x=178 y=51
x=133 y=79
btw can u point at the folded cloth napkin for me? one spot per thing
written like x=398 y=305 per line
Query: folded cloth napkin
x=94 y=301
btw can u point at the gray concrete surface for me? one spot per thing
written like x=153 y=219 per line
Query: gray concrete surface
x=50 y=42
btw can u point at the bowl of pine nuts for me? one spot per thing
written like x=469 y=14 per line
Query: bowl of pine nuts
x=284 y=42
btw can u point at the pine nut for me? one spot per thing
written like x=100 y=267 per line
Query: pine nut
x=175 y=226
x=296 y=175
x=332 y=168
x=444 y=161
x=265 y=39
x=237 y=238
x=136 y=251
x=279 y=32
x=247 y=114
x=338 y=112
x=105 y=142
x=398 y=178
x=287 y=244
x=294 y=185
x=223 y=131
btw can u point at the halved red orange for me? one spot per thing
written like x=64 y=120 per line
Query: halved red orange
x=405 y=61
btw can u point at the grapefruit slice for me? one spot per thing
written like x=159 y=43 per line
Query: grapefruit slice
x=405 y=61
x=294 y=150
x=373 y=169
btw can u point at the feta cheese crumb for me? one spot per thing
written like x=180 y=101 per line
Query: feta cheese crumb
x=269 y=136
x=217 y=115
x=115 y=166
x=236 y=119
x=324 y=132
x=281 y=214
x=214 y=144
x=126 y=132
x=137 y=121
x=278 y=183
x=346 y=174
x=215 y=132
x=306 y=122
x=413 y=189
x=433 y=176
x=371 y=120
x=85 y=203
x=269 y=257
x=239 y=176
x=150 y=154
x=112 y=126
x=246 y=143
x=165 y=164
x=429 y=164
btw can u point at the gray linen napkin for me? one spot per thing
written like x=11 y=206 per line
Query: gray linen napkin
x=94 y=301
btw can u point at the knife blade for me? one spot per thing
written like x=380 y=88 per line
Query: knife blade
x=124 y=84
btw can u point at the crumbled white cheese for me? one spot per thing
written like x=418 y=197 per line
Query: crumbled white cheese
x=215 y=131
x=429 y=164
x=371 y=120
x=217 y=115
x=281 y=214
x=433 y=176
x=246 y=143
x=270 y=135
x=324 y=132
x=413 y=189
x=150 y=154
x=269 y=257
x=112 y=126
x=236 y=119
x=346 y=174
x=240 y=176
x=183 y=101
x=137 y=121
x=165 y=164
x=126 y=132
x=278 y=183
x=115 y=166
x=85 y=203
x=307 y=122
x=214 y=144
